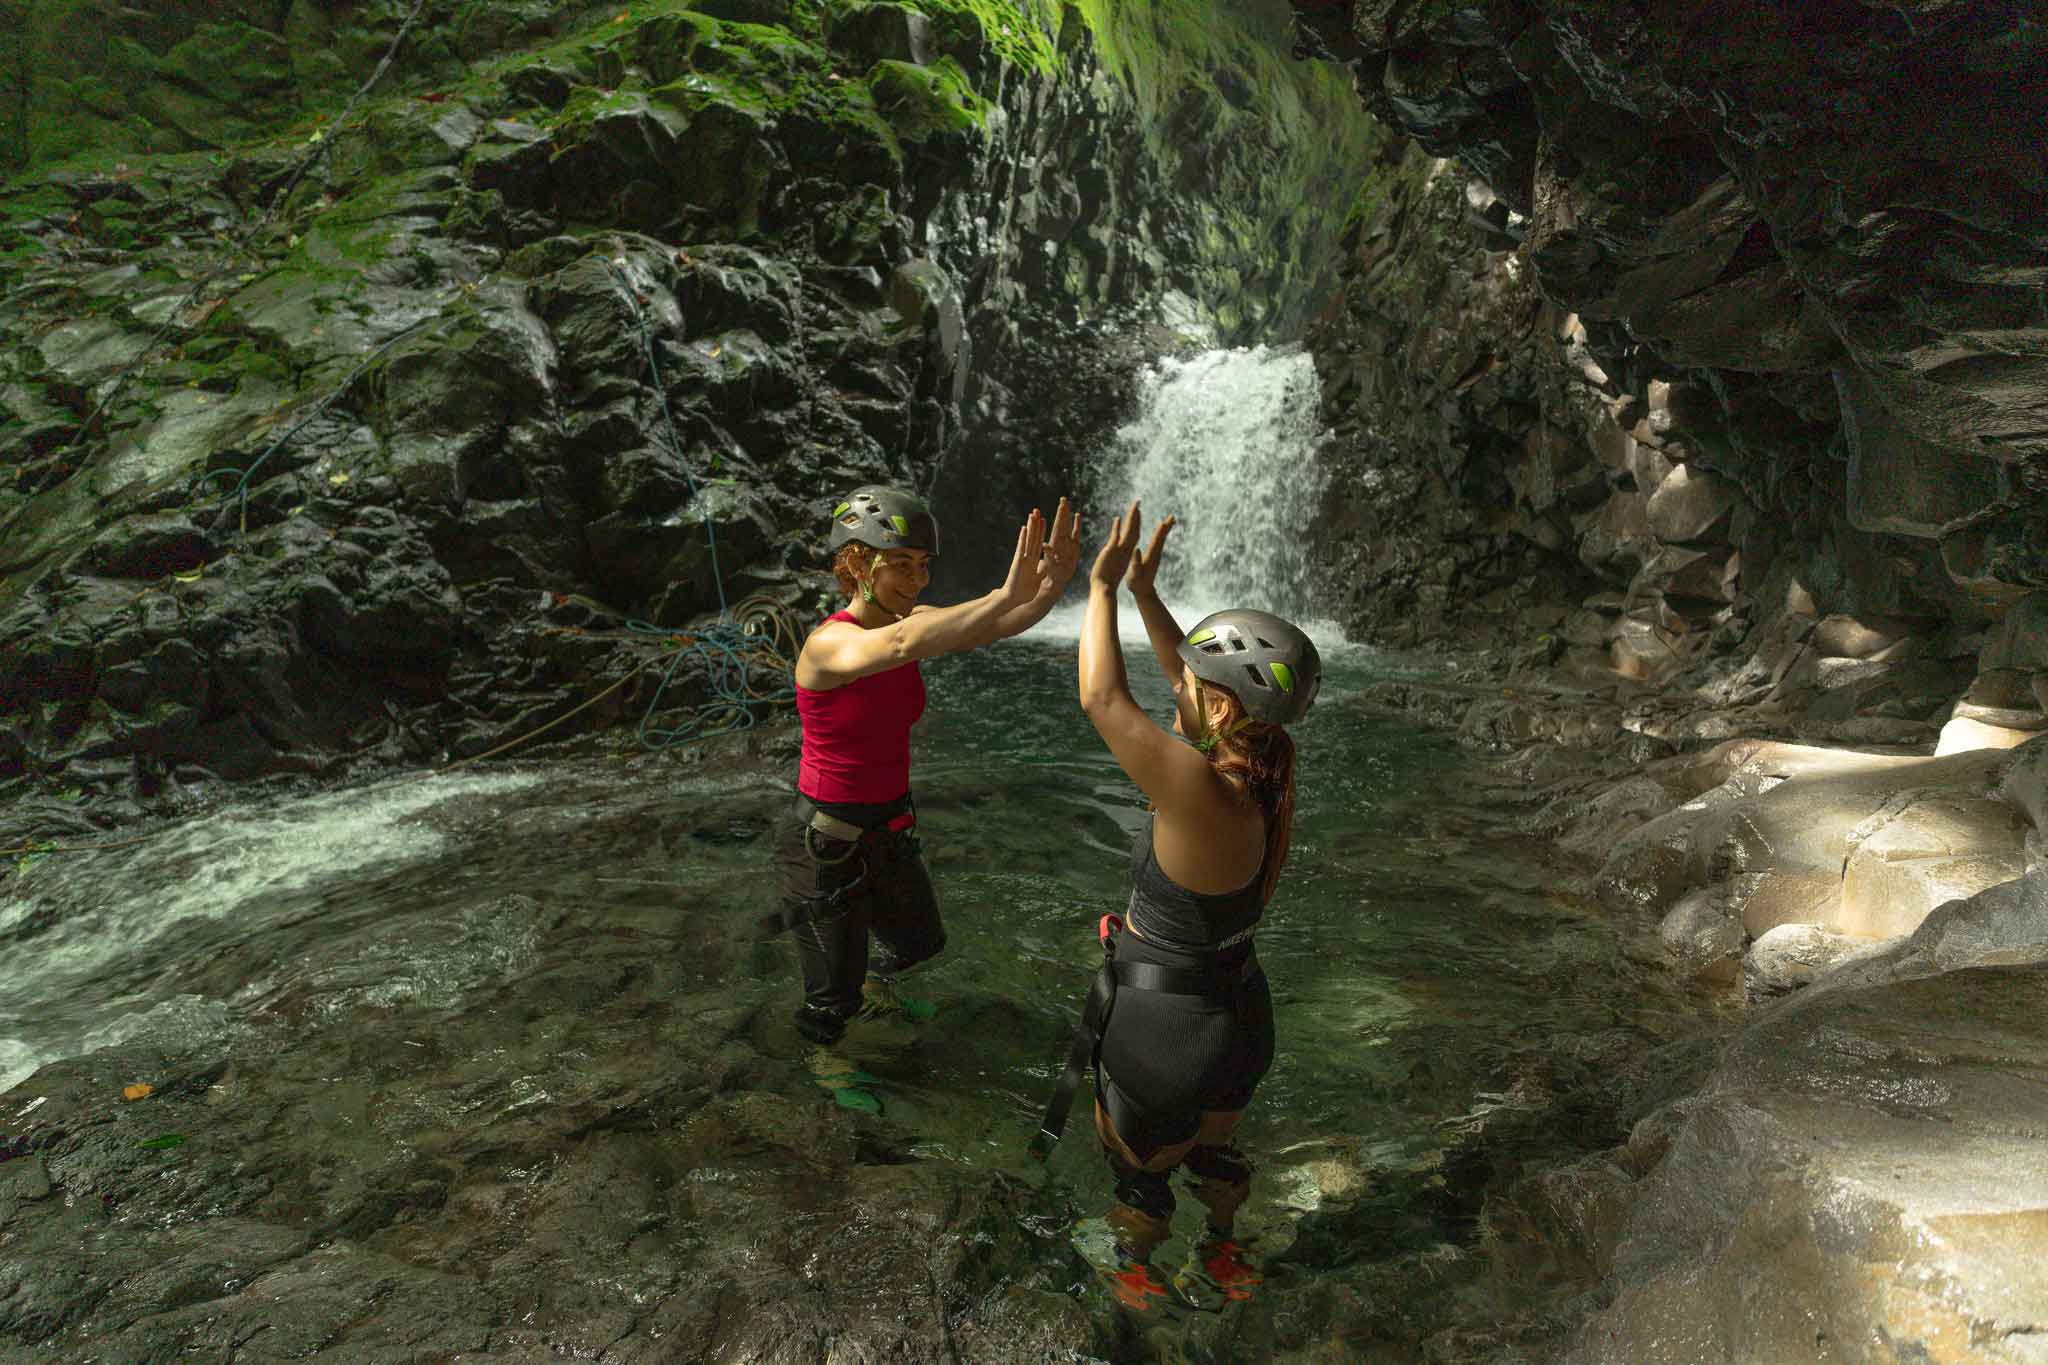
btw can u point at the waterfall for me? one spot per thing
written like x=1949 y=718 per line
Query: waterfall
x=1225 y=442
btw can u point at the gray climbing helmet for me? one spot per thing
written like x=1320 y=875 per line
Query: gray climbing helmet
x=1271 y=667
x=886 y=519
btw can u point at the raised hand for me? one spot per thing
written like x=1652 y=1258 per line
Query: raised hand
x=1063 y=548
x=1145 y=564
x=1115 y=555
x=1027 y=565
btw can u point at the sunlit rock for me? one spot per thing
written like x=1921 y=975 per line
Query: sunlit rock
x=1767 y=900
x=1962 y=735
x=1692 y=506
x=1864 y=1165
x=1790 y=956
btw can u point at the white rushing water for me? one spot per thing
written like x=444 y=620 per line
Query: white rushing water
x=81 y=943
x=1224 y=442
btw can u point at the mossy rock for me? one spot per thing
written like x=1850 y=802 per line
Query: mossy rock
x=884 y=32
x=925 y=102
x=748 y=11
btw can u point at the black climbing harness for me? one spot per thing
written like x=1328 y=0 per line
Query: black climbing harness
x=877 y=847
x=1084 y=1055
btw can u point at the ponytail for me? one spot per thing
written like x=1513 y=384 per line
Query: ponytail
x=1259 y=758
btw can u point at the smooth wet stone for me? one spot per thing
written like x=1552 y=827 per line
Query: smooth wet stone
x=1790 y=956
x=1864 y=1164
x=192 y=426
x=1778 y=897
x=1703 y=935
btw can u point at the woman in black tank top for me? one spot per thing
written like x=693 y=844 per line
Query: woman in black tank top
x=1189 y=1031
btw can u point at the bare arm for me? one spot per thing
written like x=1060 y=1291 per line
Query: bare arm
x=838 y=653
x=1173 y=775
x=1160 y=627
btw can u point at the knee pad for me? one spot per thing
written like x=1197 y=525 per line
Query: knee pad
x=1225 y=1163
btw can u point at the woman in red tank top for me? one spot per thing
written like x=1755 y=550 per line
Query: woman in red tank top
x=849 y=864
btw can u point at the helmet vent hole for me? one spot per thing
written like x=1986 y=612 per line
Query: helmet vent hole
x=1258 y=678
x=1237 y=644
x=1265 y=644
x=1212 y=649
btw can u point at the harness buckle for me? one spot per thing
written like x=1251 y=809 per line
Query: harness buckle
x=1110 y=925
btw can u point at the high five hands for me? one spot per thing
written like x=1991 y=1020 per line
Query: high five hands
x=1120 y=555
x=1044 y=564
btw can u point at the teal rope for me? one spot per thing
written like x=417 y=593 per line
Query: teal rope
x=247 y=476
x=722 y=647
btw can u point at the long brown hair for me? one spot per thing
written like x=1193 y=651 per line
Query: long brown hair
x=1258 y=758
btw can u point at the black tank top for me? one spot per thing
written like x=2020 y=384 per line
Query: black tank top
x=1167 y=913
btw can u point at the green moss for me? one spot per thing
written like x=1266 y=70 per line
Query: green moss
x=921 y=102
x=232 y=62
x=1021 y=34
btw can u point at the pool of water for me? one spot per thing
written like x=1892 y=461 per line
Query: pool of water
x=1416 y=941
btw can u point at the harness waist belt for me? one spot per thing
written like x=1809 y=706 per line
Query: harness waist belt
x=1211 y=982
x=1208 y=982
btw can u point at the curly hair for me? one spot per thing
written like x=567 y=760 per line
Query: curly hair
x=848 y=565
x=1257 y=757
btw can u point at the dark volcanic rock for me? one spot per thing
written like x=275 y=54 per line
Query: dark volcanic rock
x=579 y=306
x=1785 y=275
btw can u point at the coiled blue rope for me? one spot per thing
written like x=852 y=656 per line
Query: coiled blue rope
x=730 y=648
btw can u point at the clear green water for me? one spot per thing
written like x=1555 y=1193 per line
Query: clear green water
x=548 y=932
x=1417 y=941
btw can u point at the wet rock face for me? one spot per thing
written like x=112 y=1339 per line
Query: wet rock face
x=1786 y=315
x=1864 y=1164
x=581 y=319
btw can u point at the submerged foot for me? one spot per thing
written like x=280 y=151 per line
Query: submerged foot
x=845 y=1082
x=1130 y=1281
x=1221 y=1270
x=880 y=999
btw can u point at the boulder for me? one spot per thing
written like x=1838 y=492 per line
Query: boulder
x=1790 y=956
x=1693 y=507
x=1863 y=1166
x=1768 y=900
x=1703 y=935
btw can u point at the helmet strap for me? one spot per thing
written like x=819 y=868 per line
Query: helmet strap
x=867 y=584
x=1209 y=739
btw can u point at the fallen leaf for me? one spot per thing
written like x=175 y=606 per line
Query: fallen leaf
x=715 y=350
x=163 y=1143
x=191 y=577
x=139 y=1091
x=338 y=478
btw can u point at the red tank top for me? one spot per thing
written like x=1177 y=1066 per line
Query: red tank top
x=857 y=736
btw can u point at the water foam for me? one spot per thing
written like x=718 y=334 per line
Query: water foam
x=69 y=921
x=1226 y=443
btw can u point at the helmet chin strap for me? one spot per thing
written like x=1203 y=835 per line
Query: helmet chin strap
x=867 y=587
x=1211 y=738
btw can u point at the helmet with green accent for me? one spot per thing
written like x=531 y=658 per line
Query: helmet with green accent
x=884 y=519
x=1270 y=666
